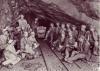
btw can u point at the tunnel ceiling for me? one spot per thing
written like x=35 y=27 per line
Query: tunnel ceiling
x=86 y=6
x=42 y=10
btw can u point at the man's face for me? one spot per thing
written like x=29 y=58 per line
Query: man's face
x=68 y=25
x=83 y=27
x=52 y=25
x=22 y=17
x=36 y=19
x=57 y=24
x=63 y=25
x=74 y=27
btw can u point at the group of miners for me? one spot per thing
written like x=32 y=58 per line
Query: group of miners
x=73 y=42
x=17 y=43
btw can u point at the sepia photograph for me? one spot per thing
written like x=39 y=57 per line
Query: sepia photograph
x=49 y=35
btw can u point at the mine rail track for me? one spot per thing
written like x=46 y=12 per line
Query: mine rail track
x=62 y=61
x=44 y=59
x=47 y=68
x=58 y=56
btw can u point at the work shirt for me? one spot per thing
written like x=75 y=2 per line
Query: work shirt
x=23 y=24
x=10 y=52
x=10 y=55
x=81 y=36
x=70 y=42
x=75 y=34
x=62 y=34
x=28 y=44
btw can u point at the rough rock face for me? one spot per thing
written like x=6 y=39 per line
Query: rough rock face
x=65 y=5
x=76 y=6
x=5 y=14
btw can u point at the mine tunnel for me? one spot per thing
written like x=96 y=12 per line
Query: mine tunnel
x=49 y=35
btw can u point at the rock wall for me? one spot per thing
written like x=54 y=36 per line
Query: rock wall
x=66 y=6
x=5 y=14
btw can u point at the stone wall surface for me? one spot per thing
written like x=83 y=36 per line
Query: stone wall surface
x=65 y=5
x=5 y=14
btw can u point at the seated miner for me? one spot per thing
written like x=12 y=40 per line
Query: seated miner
x=77 y=54
x=74 y=32
x=68 y=26
x=56 y=35
x=57 y=30
x=80 y=55
x=4 y=37
x=62 y=37
x=71 y=45
x=50 y=33
x=94 y=41
x=68 y=29
x=81 y=37
x=23 y=23
x=35 y=24
x=17 y=34
x=10 y=54
x=34 y=44
x=28 y=46
x=86 y=46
